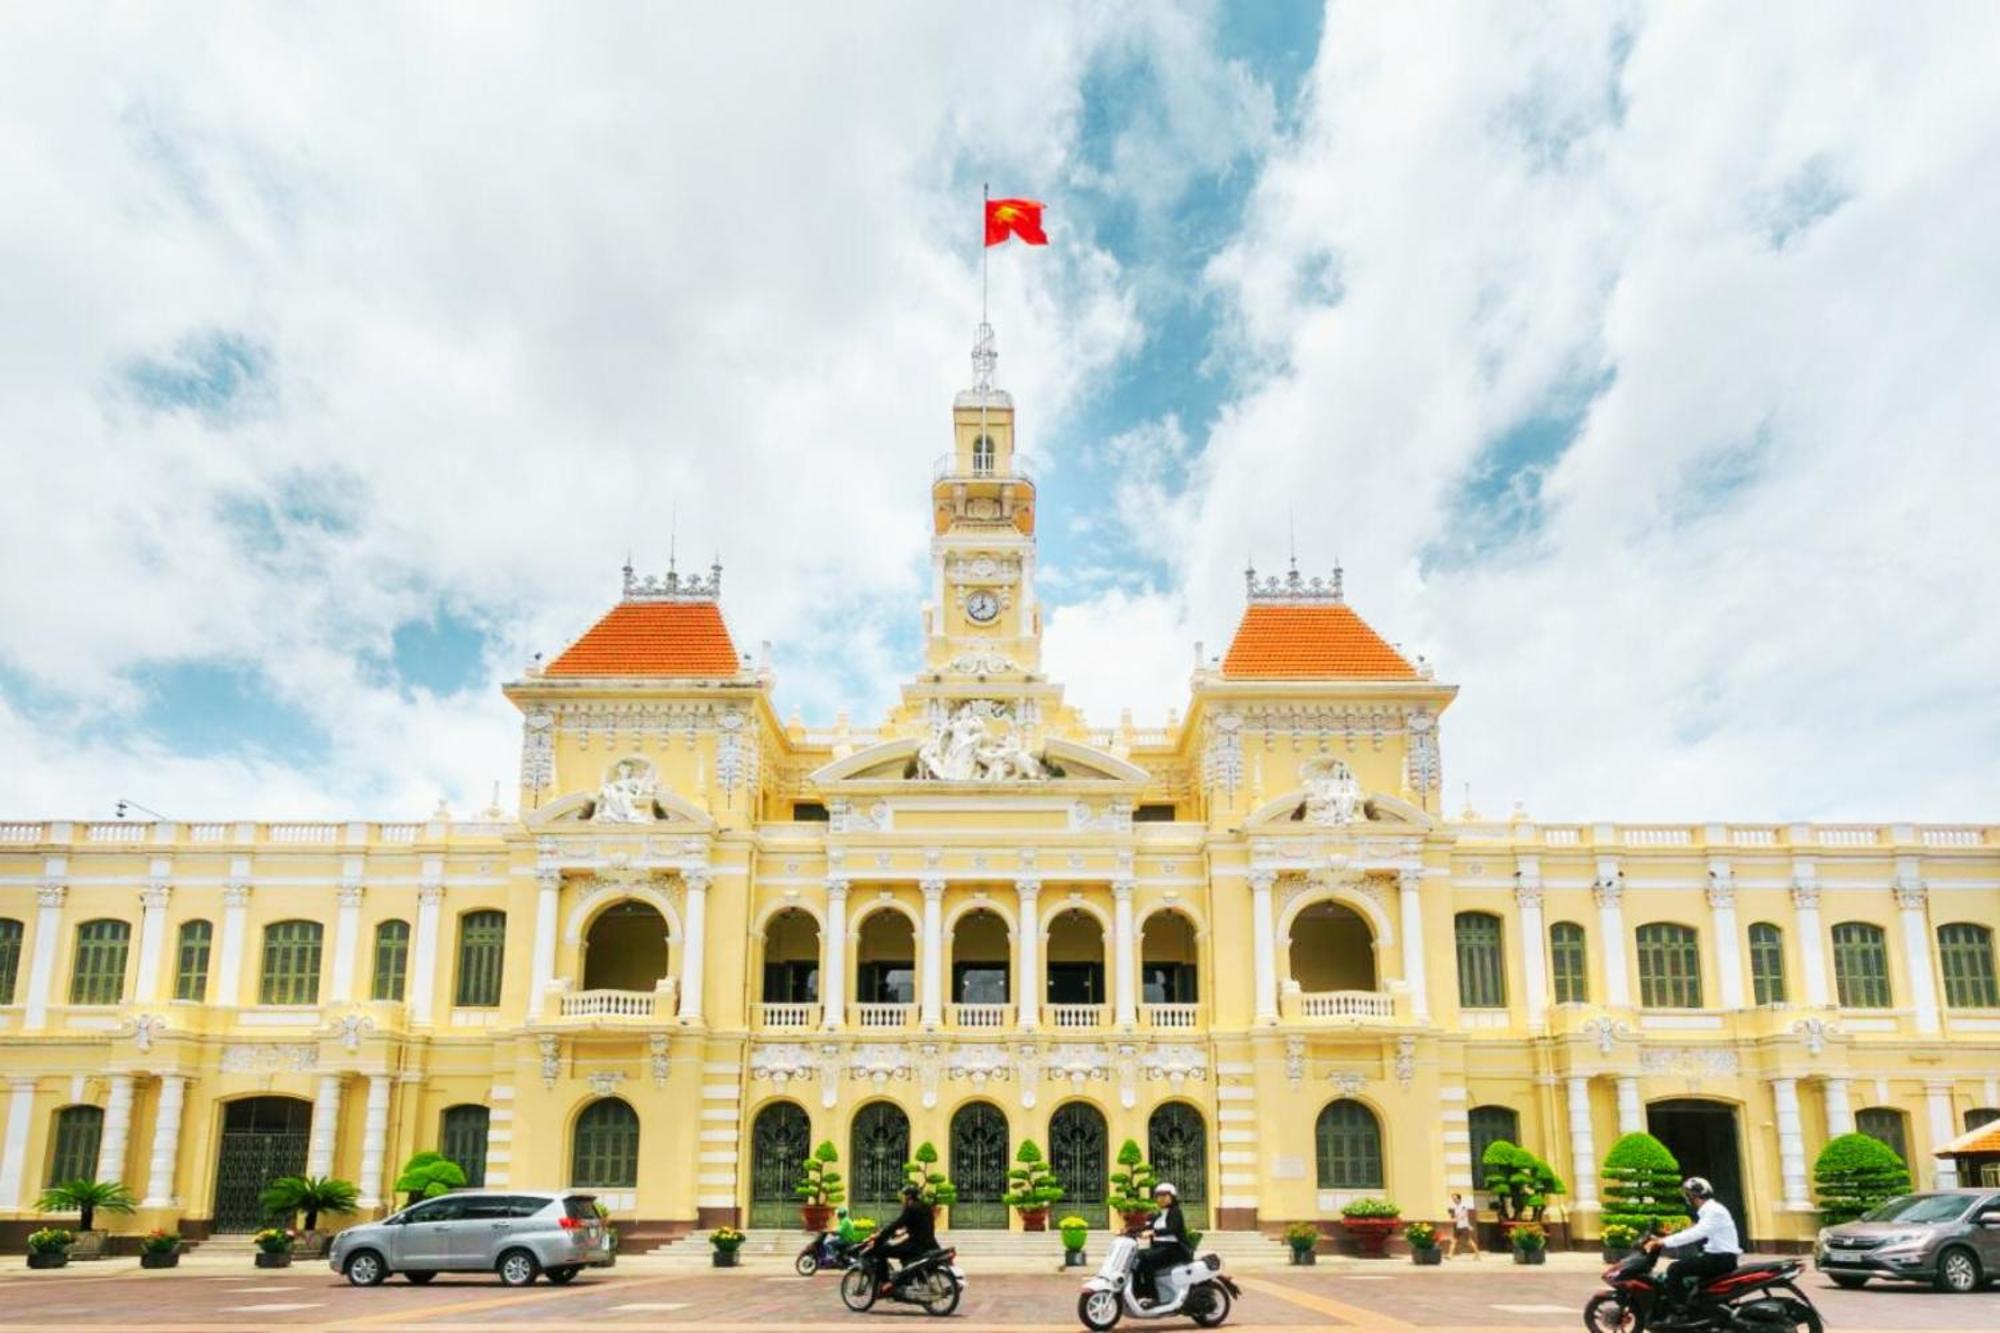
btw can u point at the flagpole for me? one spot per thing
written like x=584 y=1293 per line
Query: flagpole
x=985 y=329
x=986 y=193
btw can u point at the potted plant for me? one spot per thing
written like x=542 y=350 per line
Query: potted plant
x=1370 y=1222
x=931 y=1184
x=1519 y=1181
x=1530 y=1242
x=1642 y=1185
x=1075 y=1231
x=1423 y=1238
x=1617 y=1241
x=160 y=1249
x=288 y=1196
x=49 y=1247
x=87 y=1198
x=274 y=1247
x=429 y=1174
x=1032 y=1187
x=819 y=1189
x=727 y=1241
x=610 y=1234
x=1132 y=1186
x=1854 y=1173
x=1302 y=1236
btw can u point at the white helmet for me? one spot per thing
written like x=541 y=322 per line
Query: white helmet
x=1165 y=1187
x=1698 y=1187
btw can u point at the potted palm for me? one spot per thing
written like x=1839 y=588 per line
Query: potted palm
x=1530 y=1242
x=1132 y=1186
x=87 y=1198
x=429 y=1174
x=1370 y=1222
x=160 y=1249
x=49 y=1247
x=819 y=1189
x=288 y=1196
x=727 y=1241
x=1032 y=1187
x=932 y=1184
x=1423 y=1238
x=610 y=1234
x=1075 y=1231
x=274 y=1247
x=1301 y=1237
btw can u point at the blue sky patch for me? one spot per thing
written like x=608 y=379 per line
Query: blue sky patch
x=214 y=373
x=444 y=654
x=209 y=708
x=1812 y=194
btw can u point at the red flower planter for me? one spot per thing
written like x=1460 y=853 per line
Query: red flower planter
x=1371 y=1234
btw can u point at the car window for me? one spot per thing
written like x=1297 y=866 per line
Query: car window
x=522 y=1205
x=436 y=1210
x=580 y=1206
x=1919 y=1208
x=488 y=1206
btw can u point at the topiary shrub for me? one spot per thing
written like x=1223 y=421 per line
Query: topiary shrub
x=933 y=1185
x=1031 y=1186
x=1132 y=1185
x=429 y=1174
x=1519 y=1181
x=1854 y=1173
x=1642 y=1186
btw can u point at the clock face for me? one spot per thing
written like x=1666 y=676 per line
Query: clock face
x=982 y=607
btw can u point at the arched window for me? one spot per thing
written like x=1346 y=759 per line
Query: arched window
x=1965 y=952
x=1887 y=1124
x=1669 y=966
x=291 y=963
x=1979 y=1117
x=392 y=960
x=1569 y=960
x=1482 y=979
x=73 y=1147
x=605 y=1152
x=191 y=960
x=482 y=942
x=982 y=456
x=1349 y=1143
x=462 y=1138
x=1767 y=963
x=10 y=957
x=1860 y=966
x=98 y=975
x=1490 y=1124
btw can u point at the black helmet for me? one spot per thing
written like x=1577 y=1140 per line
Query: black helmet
x=912 y=1194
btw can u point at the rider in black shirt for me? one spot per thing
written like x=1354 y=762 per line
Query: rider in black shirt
x=917 y=1228
x=1169 y=1247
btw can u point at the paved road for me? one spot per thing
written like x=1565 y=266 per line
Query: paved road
x=1492 y=1298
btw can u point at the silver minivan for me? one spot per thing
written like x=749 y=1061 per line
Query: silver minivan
x=1950 y=1238
x=519 y=1234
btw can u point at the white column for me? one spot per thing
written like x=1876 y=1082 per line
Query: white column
x=1910 y=899
x=1791 y=1145
x=1610 y=892
x=41 y=971
x=1839 y=1111
x=548 y=891
x=1028 y=985
x=1812 y=939
x=229 y=956
x=694 y=949
x=932 y=1013
x=421 y=993
x=325 y=1127
x=1631 y=1111
x=346 y=939
x=152 y=939
x=166 y=1143
x=1582 y=1148
x=375 y=1143
x=111 y=1148
x=1728 y=952
x=1410 y=882
x=1939 y=1096
x=833 y=955
x=14 y=1178
x=1534 y=941
x=1261 y=931
x=1124 y=953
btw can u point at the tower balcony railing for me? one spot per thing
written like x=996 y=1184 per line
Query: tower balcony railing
x=1341 y=1005
x=980 y=1015
x=788 y=1015
x=1170 y=1017
x=883 y=1015
x=1077 y=1015
x=601 y=1004
x=949 y=468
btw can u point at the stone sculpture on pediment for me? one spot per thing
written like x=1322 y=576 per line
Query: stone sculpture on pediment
x=971 y=745
x=1333 y=794
x=627 y=794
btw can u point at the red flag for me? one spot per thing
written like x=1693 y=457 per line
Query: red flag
x=1014 y=217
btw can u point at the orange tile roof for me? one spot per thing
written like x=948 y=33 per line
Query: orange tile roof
x=1985 y=1139
x=653 y=639
x=1314 y=641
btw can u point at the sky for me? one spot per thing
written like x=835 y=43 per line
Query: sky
x=1639 y=363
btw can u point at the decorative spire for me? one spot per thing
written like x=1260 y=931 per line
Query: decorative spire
x=674 y=588
x=985 y=356
x=1293 y=587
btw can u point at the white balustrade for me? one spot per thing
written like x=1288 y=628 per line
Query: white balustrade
x=1076 y=1015
x=1658 y=837
x=1561 y=837
x=981 y=1015
x=883 y=1015
x=20 y=832
x=118 y=832
x=1754 y=837
x=1346 y=1004
x=1847 y=836
x=305 y=832
x=609 y=1004
x=1952 y=837
x=401 y=832
x=1178 y=1016
x=786 y=1015
x=208 y=832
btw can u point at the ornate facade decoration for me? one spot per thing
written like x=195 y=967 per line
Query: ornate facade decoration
x=604 y=1082
x=627 y=794
x=1028 y=1072
x=1078 y=1064
x=538 y=750
x=657 y=1063
x=551 y=1058
x=269 y=1058
x=1721 y=887
x=1607 y=1032
x=350 y=1028
x=1911 y=894
x=146 y=1028
x=1694 y=1062
x=736 y=752
x=877 y=1063
x=1815 y=1031
x=1347 y=1082
x=1333 y=796
x=979 y=742
x=674 y=586
x=1295 y=1061
x=1177 y=1064
x=980 y=1063
x=1222 y=751
x=1406 y=1061
x=1421 y=753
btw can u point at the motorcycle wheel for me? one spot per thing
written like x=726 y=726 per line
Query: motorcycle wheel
x=1099 y=1310
x=1214 y=1306
x=808 y=1261
x=1606 y=1313
x=941 y=1293
x=857 y=1289
x=1804 y=1318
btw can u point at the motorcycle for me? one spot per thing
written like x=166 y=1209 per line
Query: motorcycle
x=935 y=1282
x=1756 y=1298
x=1197 y=1290
x=825 y=1250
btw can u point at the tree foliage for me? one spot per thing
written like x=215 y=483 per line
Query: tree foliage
x=1132 y=1184
x=311 y=1195
x=1642 y=1185
x=1030 y=1183
x=819 y=1185
x=1519 y=1181
x=87 y=1198
x=1854 y=1173
x=428 y=1175
x=933 y=1185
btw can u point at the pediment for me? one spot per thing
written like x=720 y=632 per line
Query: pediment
x=1378 y=812
x=895 y=761
x=579 y=809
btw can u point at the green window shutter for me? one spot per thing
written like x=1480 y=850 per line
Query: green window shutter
x=98 y=976
x=1488 y=1124
x=191 y=961
x=1669 y=966
x=605 y=1151
x=463 y=1140
x=1349 y=1143
x=1860 y=965
x=291 y=963
x=10 y=958
x=392 y=960
x=1886 y=1124
x=1965 y=954
x=1482 y=980
x=1767 y=963
x=1569 y=960
x=73 y=1151
x=482 y=939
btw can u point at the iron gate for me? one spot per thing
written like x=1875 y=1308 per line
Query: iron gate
x=262 y=1138
x=780 y=1142
x=1177 y=1146
x=978 y=1167
x=1082 y=1166
x=879 y=1147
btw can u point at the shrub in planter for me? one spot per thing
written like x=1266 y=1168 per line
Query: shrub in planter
x=288 y=1196
x=1617 y=1241
x=726 y=1240
x=1132 y=1186
x=159 y=1249
x=429 y=1174
x=1075 y=1231
x=819 y=1189
x=1302 y=1236
x=1642 y=1185
x=931 y=1184
x=1530 y=1242
x=1520 y=1182
x=1853 y=1174
x=1370 y=1222
x=1423 y=1238
x=274 y=1247
x=49 y=1247
x=1031 y=1187
x=87 y=1198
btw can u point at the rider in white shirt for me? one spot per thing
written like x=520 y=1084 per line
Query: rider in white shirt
x=1713 y=1232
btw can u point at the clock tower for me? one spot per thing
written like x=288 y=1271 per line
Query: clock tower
x=982 y=621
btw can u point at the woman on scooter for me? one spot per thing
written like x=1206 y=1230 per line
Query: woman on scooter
x=1168 y=1232
x=917 y=1231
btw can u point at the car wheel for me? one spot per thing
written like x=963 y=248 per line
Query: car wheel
x=1848 y=1281
x=517 y=1268
x=366 y=1269
x=1958 y=1271
x=566 y=1273
x=419 y=1279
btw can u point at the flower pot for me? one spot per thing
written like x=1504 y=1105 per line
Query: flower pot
x=271 y=1259
x=1303 y=1258
x=1034 y=1219
x=1371 y=1234
x=1075 y=1258
x=725 y=1258
x=1135 y=1222
x=1531 y=1256
x=159 y=1258
x=311 y=1245
x=1617 y=1256
x=816 y=1216
x=48 y=1259
x=89 y=1245
x=1428 y=1257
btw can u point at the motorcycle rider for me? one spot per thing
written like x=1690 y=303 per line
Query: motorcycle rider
x=917 y=1229
x=1713 y=1231
x=1167 y=1230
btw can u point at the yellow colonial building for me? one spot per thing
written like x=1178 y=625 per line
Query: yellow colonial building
x=1250 y=940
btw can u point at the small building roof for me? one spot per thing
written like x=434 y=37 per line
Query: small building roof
x=1985 y=1139
x=1313 y=640
x=653 y=638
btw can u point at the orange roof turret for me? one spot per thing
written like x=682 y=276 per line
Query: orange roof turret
x=1299 y=629
x=663 y=627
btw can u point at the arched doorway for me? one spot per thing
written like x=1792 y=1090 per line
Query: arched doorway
x=791 y=958
x=1168 y=970
x=1332 y=949
x=1076 y=990
x=626 y=948
x=1704 y=1138
x=885 y=961
x=262 y=1138
x=780 y=1142
x=979 y=965
x=1081 y=1161
x=878 y=1147
x=978 y=1167
x=1177 y=1146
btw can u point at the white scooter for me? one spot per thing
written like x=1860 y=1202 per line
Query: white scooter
x=1196 y=1291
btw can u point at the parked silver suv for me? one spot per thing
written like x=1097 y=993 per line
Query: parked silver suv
x=519 y=1234
x=1947 y=1237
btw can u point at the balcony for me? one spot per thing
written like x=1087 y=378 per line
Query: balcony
x=948 y=468
x=979 y=1015
x=791 y=1016
x=880 y=1016
x=1170 y=1017
x=1076 y=1016
x=615 y=1008
x=1349 y=1006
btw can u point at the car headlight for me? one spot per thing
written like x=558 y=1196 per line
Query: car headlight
x=1896 y=1240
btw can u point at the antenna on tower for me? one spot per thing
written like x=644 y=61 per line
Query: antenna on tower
x=673 y=533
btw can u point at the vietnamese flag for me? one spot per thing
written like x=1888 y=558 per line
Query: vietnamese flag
x=1014 y=217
